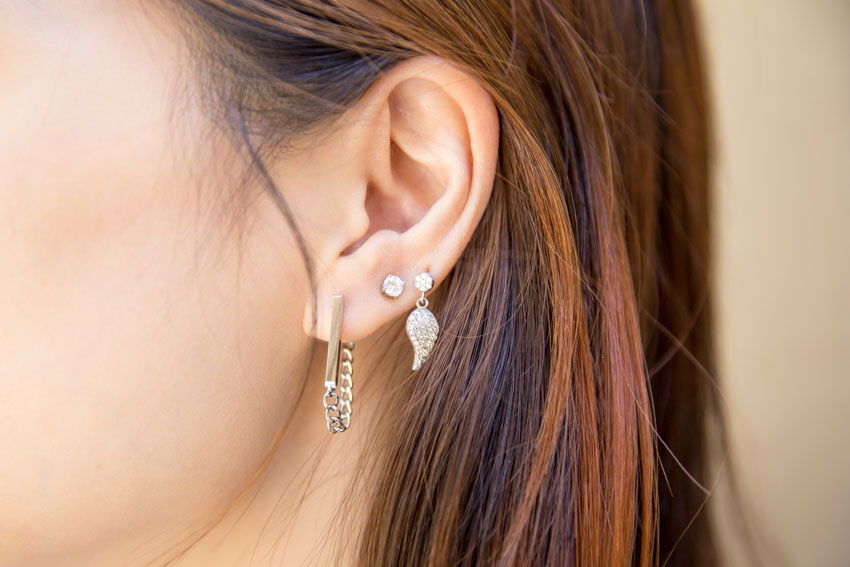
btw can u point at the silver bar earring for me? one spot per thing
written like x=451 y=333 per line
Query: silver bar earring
x=338 y=376
x=422 y=326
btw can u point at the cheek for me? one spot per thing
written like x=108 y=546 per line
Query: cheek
x=143 y=367
x=146 y=363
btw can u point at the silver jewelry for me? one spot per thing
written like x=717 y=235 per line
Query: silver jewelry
x=422 y=326
x=338 y=376
x=392 y=286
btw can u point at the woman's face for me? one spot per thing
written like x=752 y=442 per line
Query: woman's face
x=142 y=341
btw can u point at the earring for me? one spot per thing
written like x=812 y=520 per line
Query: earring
x=392 y=286
x=338 y=376
x=422 y=326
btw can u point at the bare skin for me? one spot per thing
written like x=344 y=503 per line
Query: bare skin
x=150 y=353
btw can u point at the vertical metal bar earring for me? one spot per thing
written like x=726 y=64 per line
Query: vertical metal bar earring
x=422 y=326
x=338 y=375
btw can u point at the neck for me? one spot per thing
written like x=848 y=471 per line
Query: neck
x=296 y=509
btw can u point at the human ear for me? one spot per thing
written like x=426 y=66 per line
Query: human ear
x=420 y=150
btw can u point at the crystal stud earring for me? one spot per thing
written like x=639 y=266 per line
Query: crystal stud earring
x=392 y=286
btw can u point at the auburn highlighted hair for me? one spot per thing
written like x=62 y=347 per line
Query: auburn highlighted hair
x=564 y=417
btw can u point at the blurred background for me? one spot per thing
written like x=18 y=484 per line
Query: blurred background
x=781 y=85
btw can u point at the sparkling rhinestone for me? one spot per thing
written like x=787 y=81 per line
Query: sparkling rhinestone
x=393 y=286
x=422 y=329
x=423 y=282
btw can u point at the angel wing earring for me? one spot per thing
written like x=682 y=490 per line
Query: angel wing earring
x=422 y=326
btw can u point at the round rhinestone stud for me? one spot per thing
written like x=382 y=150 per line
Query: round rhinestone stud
x=423 y=282
x=392 y=286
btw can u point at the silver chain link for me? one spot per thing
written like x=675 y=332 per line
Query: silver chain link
x=338 y=405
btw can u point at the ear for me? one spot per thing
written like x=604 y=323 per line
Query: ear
x=412 y=171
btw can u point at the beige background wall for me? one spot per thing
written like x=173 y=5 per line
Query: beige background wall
x=781 y=73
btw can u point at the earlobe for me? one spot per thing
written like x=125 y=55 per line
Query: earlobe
x=428 y=146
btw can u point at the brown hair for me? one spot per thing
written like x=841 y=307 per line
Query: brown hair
x=574 y=366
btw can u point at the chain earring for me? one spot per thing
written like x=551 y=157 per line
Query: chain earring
x=338 y=375
x=422 y=326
